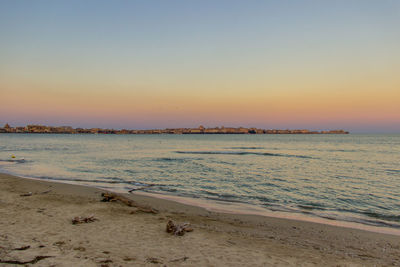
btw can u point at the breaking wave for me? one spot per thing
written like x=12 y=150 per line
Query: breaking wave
x=243 y=153
x=14 y=160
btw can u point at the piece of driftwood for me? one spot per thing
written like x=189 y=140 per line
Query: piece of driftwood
x=22 y=248
x=154 y=260
x=59 y=243
x=126 y=258
x=28 y=194
x=178 y=229
x=111 y=197
x=179 y=259
x=33 y=261
x=79 y=219
x=104 y=260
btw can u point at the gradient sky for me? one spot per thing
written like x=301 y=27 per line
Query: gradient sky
x=156 y=64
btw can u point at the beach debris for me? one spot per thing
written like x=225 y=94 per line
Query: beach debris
x=31 y=194
x=13 y=158
x=79 y=219
x=104 y=260
x=22 y=248
x=18 y=262
x=111 y=197
x=129 y=258
x=144 y=209
x=178 y=229
x=230 y=242
x=179 y=259
x=147 y=210
x=40 y=210
x=59 y=243
x=154 y=260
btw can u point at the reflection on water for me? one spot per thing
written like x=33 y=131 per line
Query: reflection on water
x=340 y=177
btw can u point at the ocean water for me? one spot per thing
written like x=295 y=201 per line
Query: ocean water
x=353 y=178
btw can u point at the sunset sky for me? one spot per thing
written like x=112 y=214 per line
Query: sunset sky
x=157 y=64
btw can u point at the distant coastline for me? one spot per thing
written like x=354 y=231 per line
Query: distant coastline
x=42 y=129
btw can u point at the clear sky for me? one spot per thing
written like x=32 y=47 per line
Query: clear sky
x=156 y=64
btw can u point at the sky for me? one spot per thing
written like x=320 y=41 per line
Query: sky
x=158 y=64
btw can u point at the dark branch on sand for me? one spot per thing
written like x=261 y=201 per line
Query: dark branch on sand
x=33 y=261
x=31 y=194
x=22 y=248
x=179 y=259
x=178 y=229
x=110 y=197
x=79 y=220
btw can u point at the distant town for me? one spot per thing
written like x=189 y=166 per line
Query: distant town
x=42 y=129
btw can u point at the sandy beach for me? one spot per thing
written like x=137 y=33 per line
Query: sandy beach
x=36 y=229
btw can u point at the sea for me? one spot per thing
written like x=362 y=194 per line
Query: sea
x=349 y=178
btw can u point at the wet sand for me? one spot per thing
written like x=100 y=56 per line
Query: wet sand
x=40 y=225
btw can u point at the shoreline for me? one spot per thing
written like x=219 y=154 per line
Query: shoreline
x=125 y=237
x=248 y=209
x=234 y=208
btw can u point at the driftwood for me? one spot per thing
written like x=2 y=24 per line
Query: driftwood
x=110 y=197
x=154 y=260
x=178 y=229
x=104 y=260
x=33 y=261
x=31 y=194
x=179 y=259
x=22 y=248
x=79 y=219
x=129 y=258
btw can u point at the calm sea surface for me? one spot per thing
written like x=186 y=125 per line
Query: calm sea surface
x=341 y=177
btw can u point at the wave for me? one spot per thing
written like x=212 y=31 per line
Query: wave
x=106 y=180
x=392 y=171
x=386 y=217
x=35 y=149
x=379 y=223
x=221 y=195
x=85 y=170
x=14 y=160
x=343 y=150
x=243 y=153
x=311 y=206
x=118 y=161
x=166 y=159
x=245 y=147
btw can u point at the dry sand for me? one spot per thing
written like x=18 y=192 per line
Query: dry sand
x=40 y=225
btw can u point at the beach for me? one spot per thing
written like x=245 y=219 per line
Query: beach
x=36 y=228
